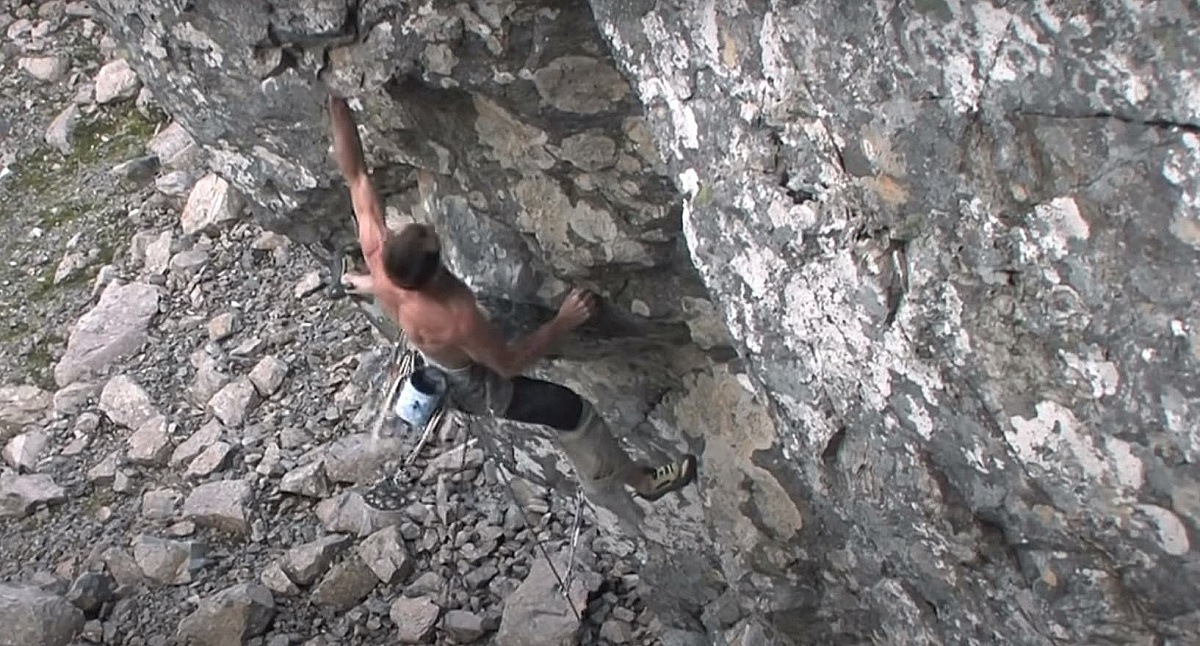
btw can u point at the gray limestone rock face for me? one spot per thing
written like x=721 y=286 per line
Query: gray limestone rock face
x=917 y=280
x=115 y=328
x=924 y=249
x=33 y=617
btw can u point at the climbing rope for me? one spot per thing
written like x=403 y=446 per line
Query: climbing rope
x=563 y=585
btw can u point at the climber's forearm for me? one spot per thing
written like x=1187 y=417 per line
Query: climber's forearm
x=530 y=349
x=368 y=212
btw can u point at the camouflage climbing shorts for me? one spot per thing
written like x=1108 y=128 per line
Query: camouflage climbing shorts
x=476 y=389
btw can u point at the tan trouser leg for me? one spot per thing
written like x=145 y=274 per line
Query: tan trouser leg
x=604 y=468
x=596 y=454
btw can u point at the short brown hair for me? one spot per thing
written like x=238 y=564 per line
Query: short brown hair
x=411 y=258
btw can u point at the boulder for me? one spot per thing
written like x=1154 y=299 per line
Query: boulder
x=33 y=617
x=150 y=444
x=268 y=375
x=116 y=81
x=230 y=617
x=345 y=585
x=306 y=563
x=211 y=203
x=160 y=504
x=61 y=129
x=348 y=512
x=307 y=480
x=361 y=458
x=414 y=619
x=385 y=554
x=539 y=613
x=114 y=329
x=232 y=403
x=210 y=459
x=74 y=398
x=175 y=148
x=222 y=505
x=126 y=403
x=209 y=379
x=277 y=580
x=158 y=254
x=91 y=590
x=22 y=451
x=20 y=495
x=20 y=406
x=166 y=561
x=467 y=627
x=47 y=69
x=196 y=443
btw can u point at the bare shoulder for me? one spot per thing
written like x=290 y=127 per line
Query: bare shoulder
x=465 y=309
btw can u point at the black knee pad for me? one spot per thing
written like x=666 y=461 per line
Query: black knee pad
x=540 y=402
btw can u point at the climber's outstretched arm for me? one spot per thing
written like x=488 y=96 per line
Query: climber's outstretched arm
x=348 y=149
x=482 y=341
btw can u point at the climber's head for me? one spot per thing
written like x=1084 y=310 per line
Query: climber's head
x=412 y=257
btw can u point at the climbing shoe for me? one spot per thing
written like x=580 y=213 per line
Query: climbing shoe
x=671 y=476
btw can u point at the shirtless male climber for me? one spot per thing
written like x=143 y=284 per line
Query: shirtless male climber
x=441 y=317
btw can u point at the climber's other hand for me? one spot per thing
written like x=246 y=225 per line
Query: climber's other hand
x=579 y=306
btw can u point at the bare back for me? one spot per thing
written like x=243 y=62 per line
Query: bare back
x=431 y=323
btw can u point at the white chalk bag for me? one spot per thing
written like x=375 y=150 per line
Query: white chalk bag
x=421 y=396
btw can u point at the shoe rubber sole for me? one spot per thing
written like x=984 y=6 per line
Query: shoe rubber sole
x=689 y=466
